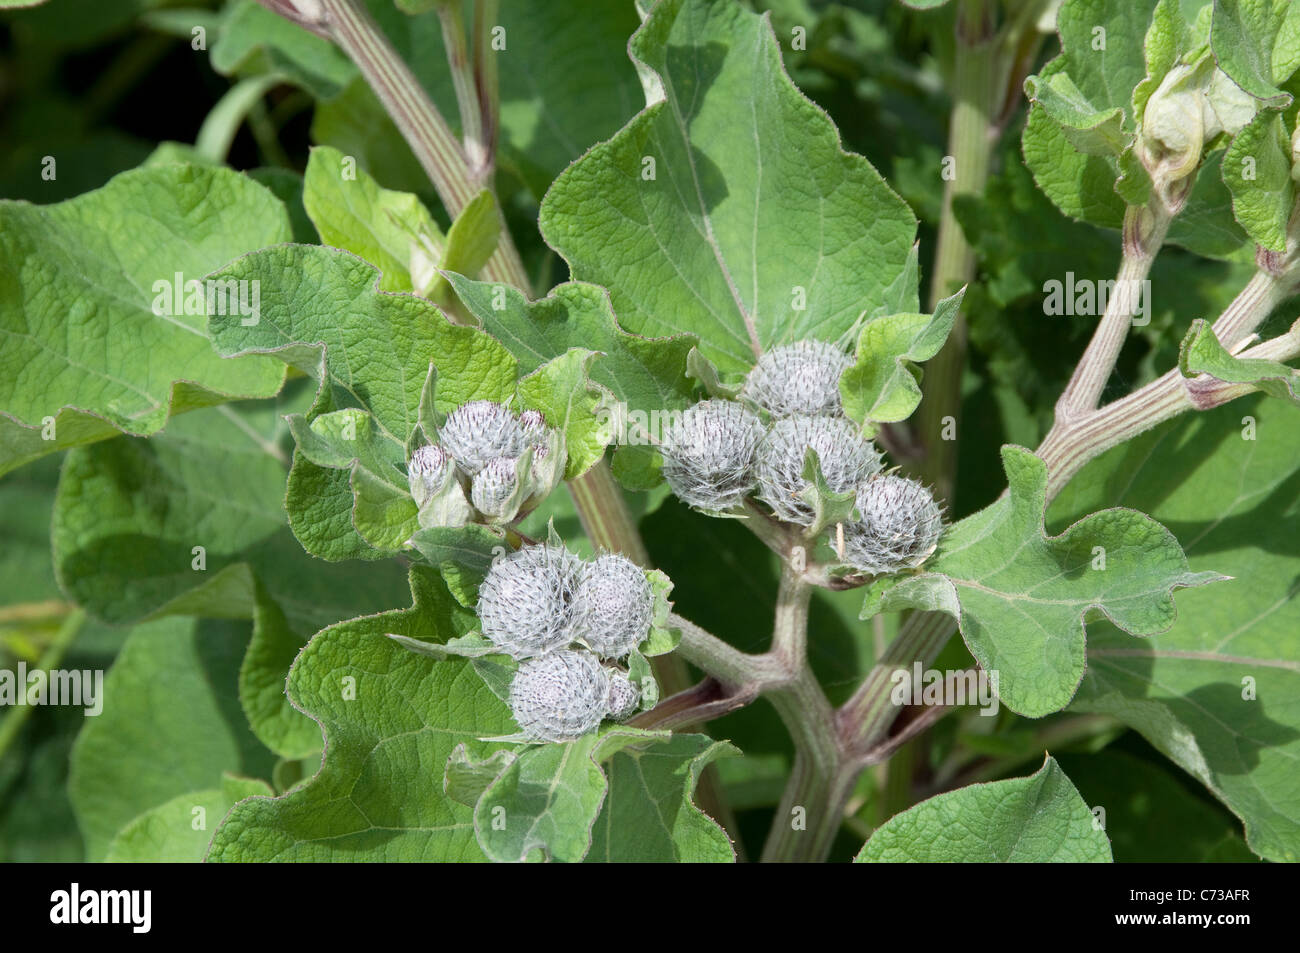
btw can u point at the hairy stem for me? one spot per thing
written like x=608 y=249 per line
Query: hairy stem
x=1144 y=233
x=487 y=87
x=1073 y=442
x=972 y=135
x=865 y=719
x=350 y=25
x=604 y=514
x=452 y=17
x=812 y=806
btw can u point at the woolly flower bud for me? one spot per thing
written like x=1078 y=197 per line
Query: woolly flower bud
x=624 y=696
x=532 y=424
x=523 y=604
x=426 y=471
x=493 y=486
x=900 y=526
x=799 y=378
x=847 y=458
x=480 y=431
x=612 y=605
x=709 y=454
x=560 y=696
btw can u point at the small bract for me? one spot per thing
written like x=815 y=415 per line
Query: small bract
x=846 y=457
x=798 y=378
x=561 y=696
x=532 y=423
x=493 y=487
x=612 y=605
x=624 y=696
x=523 y=604
x=709 y=454
x=426 y=472
x=900 y=526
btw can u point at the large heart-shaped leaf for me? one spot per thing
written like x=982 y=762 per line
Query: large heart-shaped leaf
x=727 y=208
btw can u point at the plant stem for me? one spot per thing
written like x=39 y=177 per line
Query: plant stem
x=350 y=25
x=1073 y=442
x=864 y=720
x=488 y=87
x=972 y=135
x=62 y=641
x=452 y=17
x=812 y=807
x=1144 y=233
x=605 y=516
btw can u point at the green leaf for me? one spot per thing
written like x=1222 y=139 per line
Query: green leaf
x=179 y=830
x=130 y=512
x=1218 y=692
x=367 y=349
x=644 y=376
x=392 y=719
x=463 y=554
x=545 y=800
x=1082 y=117
x=78 y=284
x=648 y=815
x=1091 y=131
x=467 y=779
x=1255 y=43
x=172 y=690
x=351 y=211
x=753 y=227
x=608 y=797
x=1020 y=596
x=383 y=512
x=252 y=40
x=1038 y=819
x=1201 y=353
x=1257 y=171
x=882 y=383
x=473 y=237
x=560 y=389
x=1081 y=186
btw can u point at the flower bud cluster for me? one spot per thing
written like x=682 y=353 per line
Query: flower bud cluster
x=561 y=616
x=723 y=451
x=488 y=465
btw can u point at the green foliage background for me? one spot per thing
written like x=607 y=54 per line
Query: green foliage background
x=196 y=711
